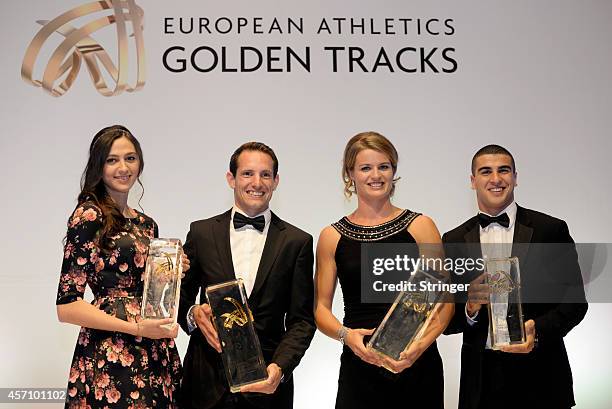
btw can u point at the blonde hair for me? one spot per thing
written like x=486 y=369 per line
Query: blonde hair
x=360 y=142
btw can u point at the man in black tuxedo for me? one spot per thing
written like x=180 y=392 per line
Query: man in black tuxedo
x=275 y=260
x=535 y=374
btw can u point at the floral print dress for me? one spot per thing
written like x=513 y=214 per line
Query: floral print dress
x=114 y=369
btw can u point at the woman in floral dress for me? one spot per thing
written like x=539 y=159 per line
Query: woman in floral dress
x=120 y=360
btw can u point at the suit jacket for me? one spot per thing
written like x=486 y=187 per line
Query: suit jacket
x=281 y=302
x=543 y=375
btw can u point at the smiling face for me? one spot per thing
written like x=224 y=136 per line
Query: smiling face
x=121 y=168
x=372 y=174
x=254 y=182
x=493 y=180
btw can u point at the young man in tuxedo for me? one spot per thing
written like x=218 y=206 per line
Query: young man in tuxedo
x=275 y=260
x=535 y=374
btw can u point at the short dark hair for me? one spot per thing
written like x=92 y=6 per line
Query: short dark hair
x=492 y=150
x=253 y=146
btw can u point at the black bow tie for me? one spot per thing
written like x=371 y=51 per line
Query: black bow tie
x=241 y=220
x=501 y=219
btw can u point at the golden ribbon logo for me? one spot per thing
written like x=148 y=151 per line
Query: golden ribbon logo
x=238 y=316
x=165 y=266
x=78 y=46
x=500 y=282
x=417 y=302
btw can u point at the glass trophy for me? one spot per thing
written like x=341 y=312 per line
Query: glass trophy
x=506 y=325
x=241 y=353
x=407 y=318
x=162 y=279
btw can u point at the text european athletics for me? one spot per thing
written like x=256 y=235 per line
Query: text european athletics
x=295 y=25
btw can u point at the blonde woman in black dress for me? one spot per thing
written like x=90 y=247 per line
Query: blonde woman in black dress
x=369 y=168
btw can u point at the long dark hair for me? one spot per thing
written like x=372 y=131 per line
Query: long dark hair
x=92 y=184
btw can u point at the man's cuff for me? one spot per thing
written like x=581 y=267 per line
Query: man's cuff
x=282 y=379
x=191 y=324
x=471 y=320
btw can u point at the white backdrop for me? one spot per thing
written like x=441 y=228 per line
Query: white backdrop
x=532 y=76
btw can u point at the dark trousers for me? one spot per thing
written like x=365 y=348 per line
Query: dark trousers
x=281 y=399
x=233 y=401
x=508 y=382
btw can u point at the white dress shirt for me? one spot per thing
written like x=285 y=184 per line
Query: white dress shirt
x=496 y=242
x=247 y=244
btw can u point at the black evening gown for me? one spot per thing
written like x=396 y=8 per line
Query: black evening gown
x=361 y=385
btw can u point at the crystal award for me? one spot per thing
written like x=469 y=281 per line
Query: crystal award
x=241 y=353
x=506 y=325
x=407 y=318
x=162 y=279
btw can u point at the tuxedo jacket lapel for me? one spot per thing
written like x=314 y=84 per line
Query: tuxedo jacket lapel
x=272 y=247
x=222 y=242
x=522 y=236
x=472 y=238
x=473 y=235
